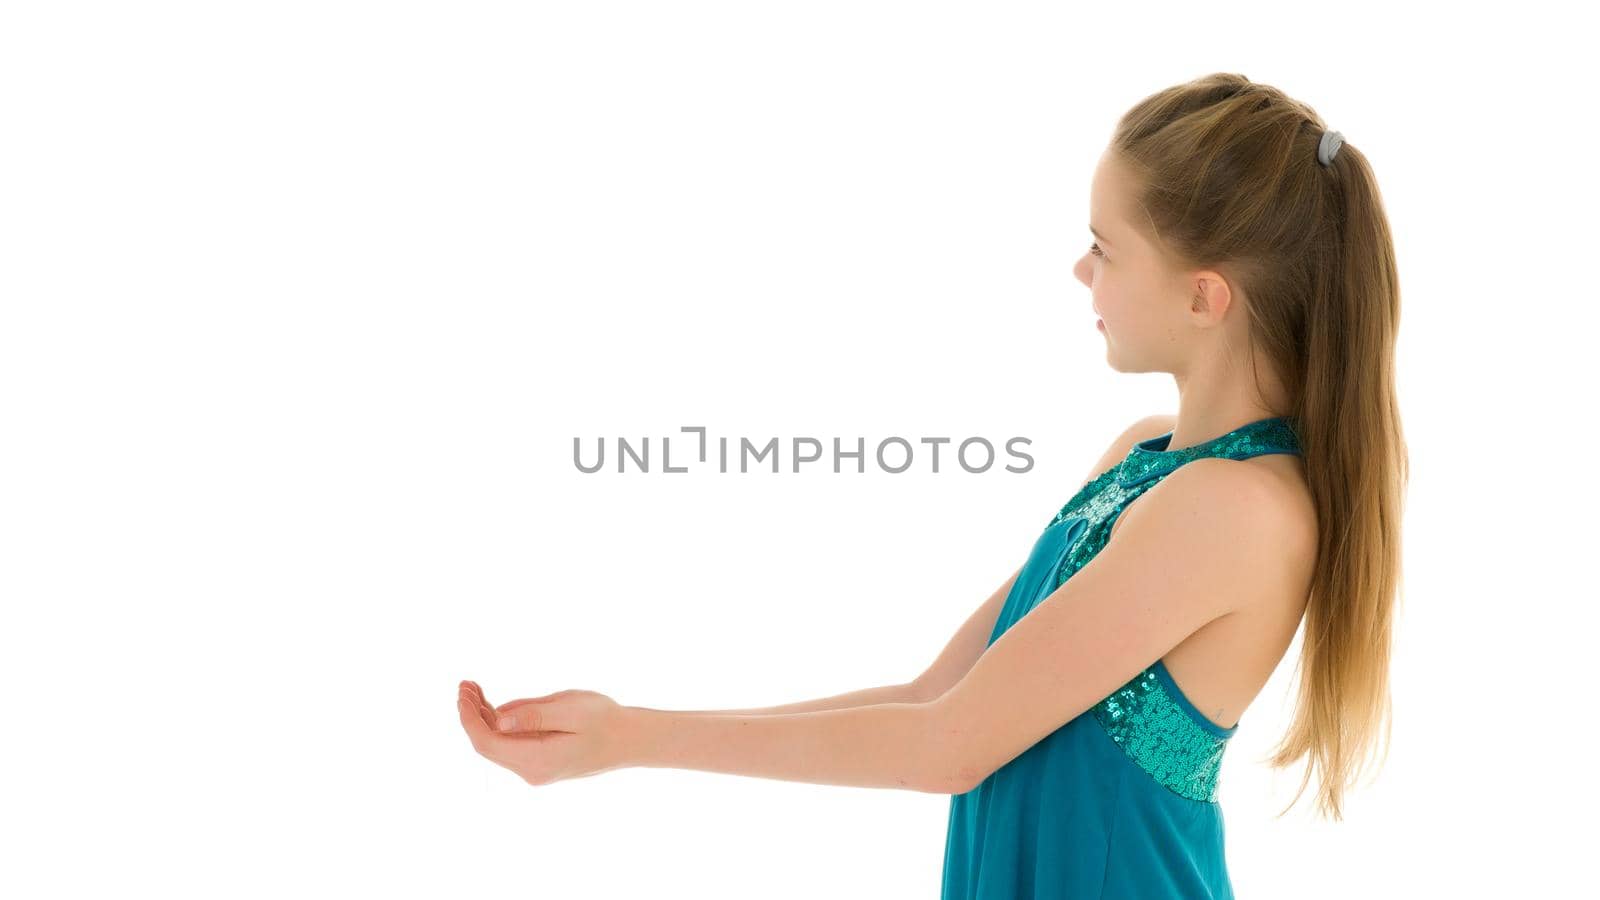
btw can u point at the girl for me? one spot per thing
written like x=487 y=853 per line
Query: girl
x=1078 y=719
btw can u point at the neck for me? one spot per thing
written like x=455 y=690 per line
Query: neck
x=1209 y=407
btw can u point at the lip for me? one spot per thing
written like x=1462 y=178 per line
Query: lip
x=1100 y=324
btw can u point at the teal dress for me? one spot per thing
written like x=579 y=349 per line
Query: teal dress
x=1119 y=802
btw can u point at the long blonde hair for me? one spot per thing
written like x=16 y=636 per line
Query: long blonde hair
x=1229 y=175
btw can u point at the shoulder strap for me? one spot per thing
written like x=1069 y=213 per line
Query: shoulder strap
x=1149 y=459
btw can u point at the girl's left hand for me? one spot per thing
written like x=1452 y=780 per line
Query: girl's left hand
x=568 y=734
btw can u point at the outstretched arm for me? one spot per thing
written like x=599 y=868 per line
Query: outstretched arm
x=885 y=745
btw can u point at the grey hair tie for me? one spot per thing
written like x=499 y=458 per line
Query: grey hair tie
x=1329 y=147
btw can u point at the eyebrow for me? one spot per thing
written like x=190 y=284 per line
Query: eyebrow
x=1097 y=234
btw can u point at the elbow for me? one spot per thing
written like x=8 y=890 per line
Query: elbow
x=929 y=778
x=957 y=778
x=961 y=778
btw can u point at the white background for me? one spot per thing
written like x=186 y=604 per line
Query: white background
x=305 y=303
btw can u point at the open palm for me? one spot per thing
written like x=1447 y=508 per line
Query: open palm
x=568 y=734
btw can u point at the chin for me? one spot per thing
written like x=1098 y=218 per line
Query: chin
x=1118 y=363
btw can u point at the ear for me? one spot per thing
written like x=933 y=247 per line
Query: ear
x=1211 y=295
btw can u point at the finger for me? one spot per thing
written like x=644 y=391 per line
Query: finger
x=524 y=718
x=536 y=717
x=522 y=721
x=484 y=708
x=518 y=704
x=470 y=692
x=477 y=729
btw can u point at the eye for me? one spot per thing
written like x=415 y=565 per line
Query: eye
x=1095 y=249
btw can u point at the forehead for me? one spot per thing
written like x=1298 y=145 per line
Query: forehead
x=1113 y=204
x=1107 y=193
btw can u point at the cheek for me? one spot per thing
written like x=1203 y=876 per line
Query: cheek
x=1108 y=299
x=1123 y=296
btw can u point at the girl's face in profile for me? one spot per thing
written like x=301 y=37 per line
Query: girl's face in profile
x=1142 y=304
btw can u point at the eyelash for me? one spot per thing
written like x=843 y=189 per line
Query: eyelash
x=1095 y=249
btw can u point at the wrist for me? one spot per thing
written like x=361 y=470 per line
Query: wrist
x=637 y=730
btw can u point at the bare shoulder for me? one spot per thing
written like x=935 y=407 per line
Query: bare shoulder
x=1142 y=430
x=1262 y=501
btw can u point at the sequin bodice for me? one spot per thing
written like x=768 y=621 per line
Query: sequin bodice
x=1150 y=718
